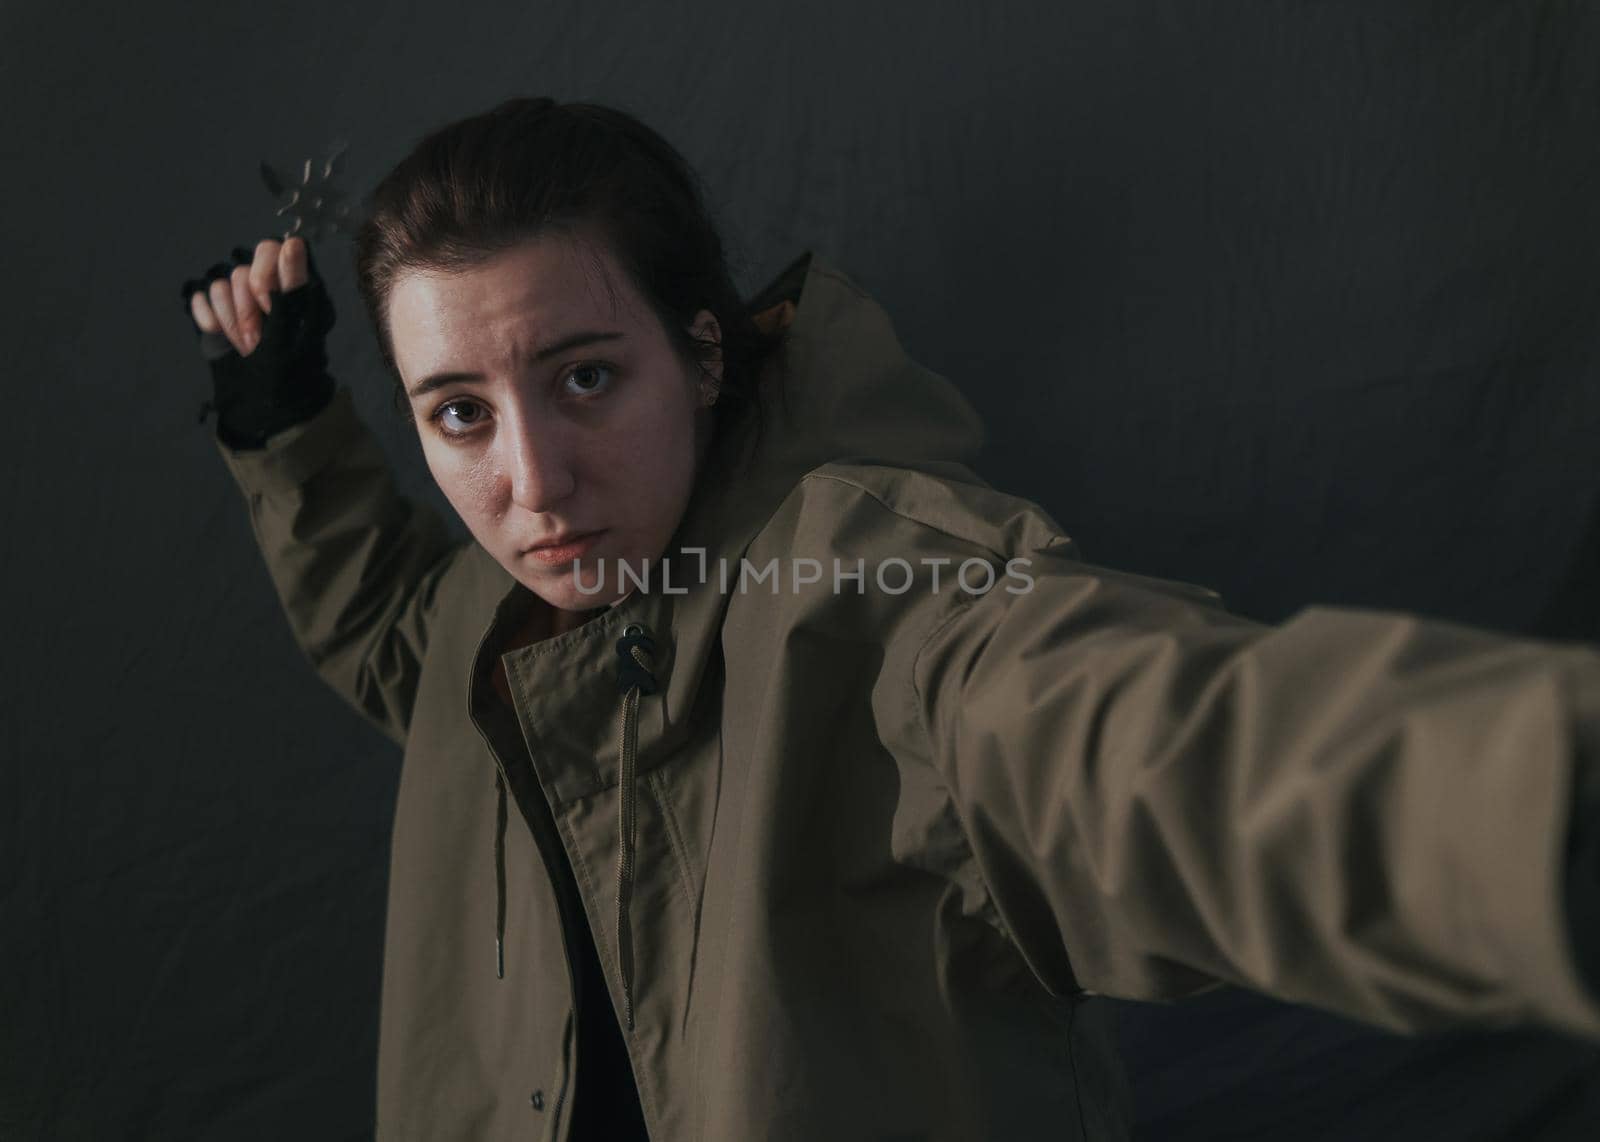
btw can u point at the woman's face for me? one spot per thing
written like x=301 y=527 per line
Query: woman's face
x=546 y=411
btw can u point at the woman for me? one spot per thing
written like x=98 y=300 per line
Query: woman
x=847 y=784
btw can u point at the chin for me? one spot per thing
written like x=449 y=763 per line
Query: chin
x=560 y=589
x=570 y=599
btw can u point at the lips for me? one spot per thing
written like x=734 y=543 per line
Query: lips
x=561 y=540
x=565 y=548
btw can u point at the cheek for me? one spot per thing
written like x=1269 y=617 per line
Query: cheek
x=468 y=483
x=666 y=473
x=652 y=448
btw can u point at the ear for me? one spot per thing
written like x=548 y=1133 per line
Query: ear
x=705 y=328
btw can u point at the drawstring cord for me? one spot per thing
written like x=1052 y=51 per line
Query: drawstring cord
x=500 y=876
x=636 y=658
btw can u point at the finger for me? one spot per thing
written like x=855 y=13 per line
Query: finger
x=264 y=272
x=200 y=311
x=190 y=290
x=246 y=313
x=294 y=261
x=221 y=297
x=202 y=286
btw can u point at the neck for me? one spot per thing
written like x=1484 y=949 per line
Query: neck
x=563 y=621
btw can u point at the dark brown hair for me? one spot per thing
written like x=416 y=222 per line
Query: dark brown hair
x=478 y=186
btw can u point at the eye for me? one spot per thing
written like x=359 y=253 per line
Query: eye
x=588 y=379
x=442 y=415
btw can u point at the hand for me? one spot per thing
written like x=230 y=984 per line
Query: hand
x=263 y=327
x=235 y=302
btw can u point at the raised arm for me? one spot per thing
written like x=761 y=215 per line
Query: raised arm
x=356 y=565
x=1359 y=810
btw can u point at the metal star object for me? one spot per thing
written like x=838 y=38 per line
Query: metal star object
x=316 y=205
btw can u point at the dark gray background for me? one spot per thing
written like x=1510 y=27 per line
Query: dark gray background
x=1295 y=300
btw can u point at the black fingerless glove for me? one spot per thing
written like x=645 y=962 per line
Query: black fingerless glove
x=284 y=380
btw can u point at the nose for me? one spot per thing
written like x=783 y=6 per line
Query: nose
x=540 y=466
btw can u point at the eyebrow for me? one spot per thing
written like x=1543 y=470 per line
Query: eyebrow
x=570 y=341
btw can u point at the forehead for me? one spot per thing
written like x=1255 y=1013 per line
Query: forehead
x=510 y=305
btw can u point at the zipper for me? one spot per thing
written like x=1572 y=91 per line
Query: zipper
x=635 y=676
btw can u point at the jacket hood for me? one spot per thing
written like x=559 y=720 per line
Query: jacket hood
x=841 y=386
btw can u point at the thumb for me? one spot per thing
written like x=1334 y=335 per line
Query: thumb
x=289 y=268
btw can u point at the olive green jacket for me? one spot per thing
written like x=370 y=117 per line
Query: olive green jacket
x=857 y=860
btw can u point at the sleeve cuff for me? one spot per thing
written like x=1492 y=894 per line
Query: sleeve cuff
x=292 y=456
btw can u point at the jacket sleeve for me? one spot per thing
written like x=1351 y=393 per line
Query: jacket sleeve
x=1360 y=810
x=355 y=564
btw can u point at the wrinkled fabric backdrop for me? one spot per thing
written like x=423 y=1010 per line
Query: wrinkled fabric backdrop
x=1295 y=300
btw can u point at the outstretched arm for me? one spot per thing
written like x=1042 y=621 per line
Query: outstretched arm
x=1360 y=810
